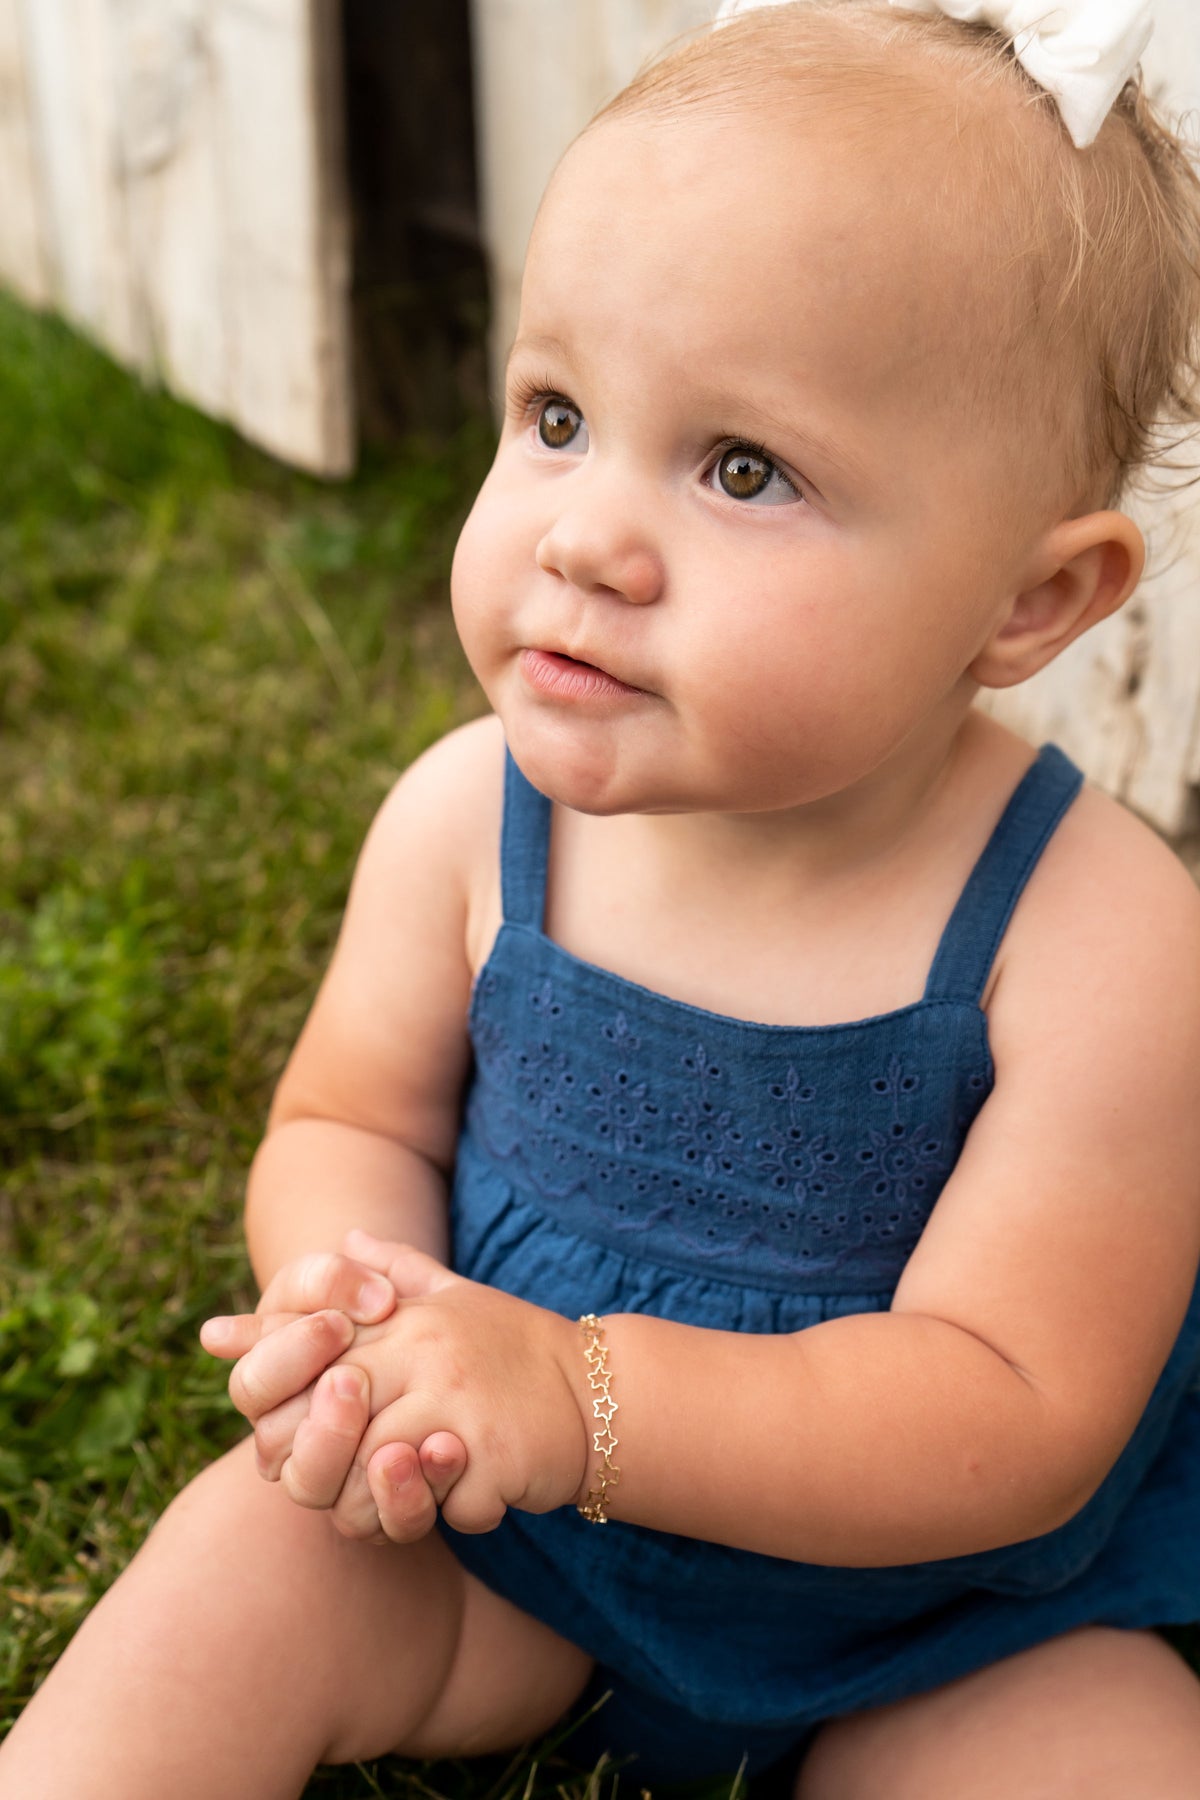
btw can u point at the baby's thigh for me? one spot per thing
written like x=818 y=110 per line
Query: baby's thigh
x=1095 y=1715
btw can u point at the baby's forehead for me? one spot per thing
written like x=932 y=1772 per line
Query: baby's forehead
x=888 y=230
x=938 y=122
x=922 y=130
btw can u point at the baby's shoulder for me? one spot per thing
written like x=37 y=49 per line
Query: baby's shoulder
x=1110 y=908
x=454 y=788
x=439 y=826
x=448 y=798
x=1106 y=865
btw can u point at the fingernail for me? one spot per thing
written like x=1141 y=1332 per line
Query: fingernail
x=217 y=1331
x=373 y=1293
x=400 y=1474
x=345 y=1384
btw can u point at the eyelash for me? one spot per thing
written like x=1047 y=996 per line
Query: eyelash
x=529 y=396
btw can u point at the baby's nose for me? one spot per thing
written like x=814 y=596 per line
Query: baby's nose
x=598 y=551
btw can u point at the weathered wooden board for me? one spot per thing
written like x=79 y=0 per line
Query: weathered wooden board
x=1126 y=700
x=542 y=68
x=22 y=248
x=179 y=168
x=74 y=109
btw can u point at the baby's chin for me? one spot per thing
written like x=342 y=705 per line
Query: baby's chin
x=593 y=772
x=607 y=780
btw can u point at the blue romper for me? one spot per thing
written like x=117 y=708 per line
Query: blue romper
x=624 y=1152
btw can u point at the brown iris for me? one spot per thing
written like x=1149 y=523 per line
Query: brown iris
x=742 y=474
x=558 y=424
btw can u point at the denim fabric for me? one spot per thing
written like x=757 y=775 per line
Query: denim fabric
x=622 y=1151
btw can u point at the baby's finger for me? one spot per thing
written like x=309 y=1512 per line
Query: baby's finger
x=411 y=1272
x=473 y=1504
x=230 y=1335
x=233 y=1334
x=403 y=1498
x=275 y=1433
x=356 y=1514
x=323 y=1279
x=287 y=1361
x=324 y=1445
x=443 y=1460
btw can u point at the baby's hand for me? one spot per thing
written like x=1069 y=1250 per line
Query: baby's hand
x=503 y=1377
x=306 y=1318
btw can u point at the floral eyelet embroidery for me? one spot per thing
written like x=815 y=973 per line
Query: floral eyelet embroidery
x=621 y=1109
x=543 y=1003
x=796 y=1168
x=617 y=1032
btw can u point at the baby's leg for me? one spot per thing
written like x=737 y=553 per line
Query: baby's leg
x=1095 y=1715
x=248 y=1641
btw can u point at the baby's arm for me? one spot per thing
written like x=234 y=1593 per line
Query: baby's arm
x=364 y=1124
x=1035 y=1315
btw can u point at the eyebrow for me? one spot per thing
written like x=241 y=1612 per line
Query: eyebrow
x=538 y=343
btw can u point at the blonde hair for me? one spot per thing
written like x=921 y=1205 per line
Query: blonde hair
x=1096 y=253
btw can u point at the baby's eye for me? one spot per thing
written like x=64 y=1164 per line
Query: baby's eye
x=559 y=424
x=745 y=473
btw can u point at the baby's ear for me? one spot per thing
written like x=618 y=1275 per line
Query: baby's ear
x=1084 y=570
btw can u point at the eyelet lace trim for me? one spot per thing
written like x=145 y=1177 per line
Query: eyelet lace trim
x=806 y=1173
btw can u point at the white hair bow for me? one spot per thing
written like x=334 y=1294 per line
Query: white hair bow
x=1081 y=51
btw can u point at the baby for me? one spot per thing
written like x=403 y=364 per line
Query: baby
x=759 y=1088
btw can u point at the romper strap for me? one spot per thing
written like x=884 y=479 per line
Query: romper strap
x=524 y=849
x=977 y=924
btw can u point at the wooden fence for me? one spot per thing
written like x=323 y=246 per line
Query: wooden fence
x=170 y=177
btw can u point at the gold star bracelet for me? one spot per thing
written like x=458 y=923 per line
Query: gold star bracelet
x=604 y=1442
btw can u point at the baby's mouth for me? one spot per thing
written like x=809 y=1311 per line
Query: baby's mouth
x=564 y=677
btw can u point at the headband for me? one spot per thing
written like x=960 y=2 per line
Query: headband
x=1082 y=52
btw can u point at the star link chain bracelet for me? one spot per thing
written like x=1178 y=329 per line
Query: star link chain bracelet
x=604 y=1441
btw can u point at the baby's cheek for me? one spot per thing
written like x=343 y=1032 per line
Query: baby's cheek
x=473 y=633
x=482 y=588
x=464 y=574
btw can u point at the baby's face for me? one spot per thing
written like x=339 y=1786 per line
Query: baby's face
x=741 y=540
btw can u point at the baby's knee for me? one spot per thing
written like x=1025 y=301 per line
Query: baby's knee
x=228 y=1515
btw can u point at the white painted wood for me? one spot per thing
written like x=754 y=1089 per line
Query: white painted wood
x=543 y=67
x=22 y=249
x=167 y=152
x=285 y=219
x=180 y=167
x=68 y=43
